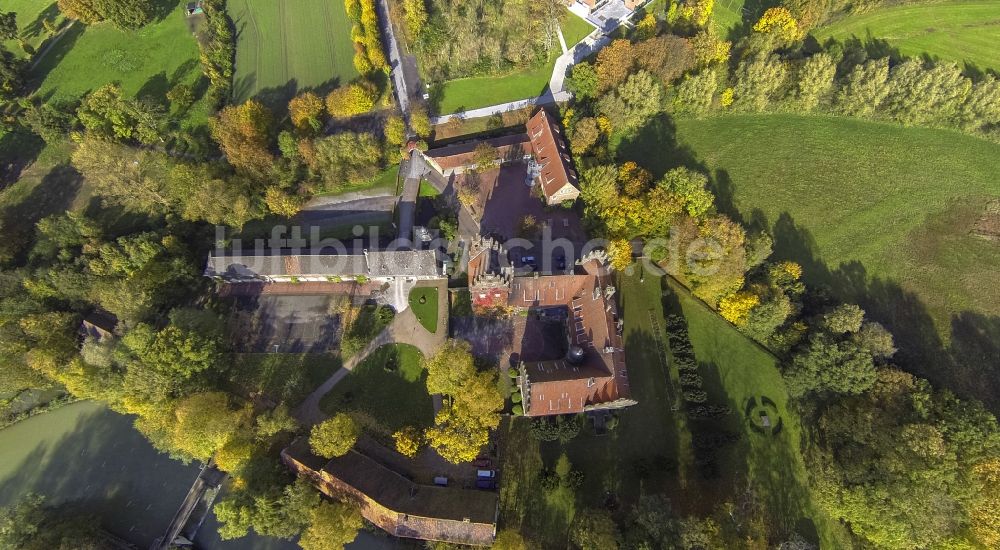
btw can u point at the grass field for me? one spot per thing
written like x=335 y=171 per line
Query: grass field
x=482 y=91
x=30 y=14
x=386 y=391
x=284 y=47
x=878 y=213
x=145 y=62
x=959 y=30
x=386 y=180
x=426 y=312
x=282 y=377
x=735 y=367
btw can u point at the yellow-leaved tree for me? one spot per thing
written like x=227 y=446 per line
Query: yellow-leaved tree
x=736 y=307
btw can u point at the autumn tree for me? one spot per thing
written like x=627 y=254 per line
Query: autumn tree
x=736 y=307
x=202 y=424
x=775 y=28
x=665 y=57
x=614 y=63
x=306 y=112
x=485 y=156
x=332 y=525
x=690 y=190
x=708 y=48
x=408 y=441
x=334 y=437
x=620 y=254
x=243 y=132
x=585 y=135
x=509 y=539
x=395 y=130
x=449 y=368
x=353 y=99
x=695 y=93
x=282 y=203
x=415 y=16
x=84 y=11
x=420 y=122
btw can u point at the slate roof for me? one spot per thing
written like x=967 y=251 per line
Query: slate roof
x=408 y=263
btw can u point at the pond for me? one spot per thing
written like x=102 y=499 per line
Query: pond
x=89 y=455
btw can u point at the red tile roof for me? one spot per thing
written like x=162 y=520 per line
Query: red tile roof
x=551 y=154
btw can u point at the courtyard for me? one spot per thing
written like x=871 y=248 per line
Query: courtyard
x=286 y=323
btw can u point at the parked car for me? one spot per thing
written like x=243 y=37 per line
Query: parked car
x=440 y=480
x=486 y=474
x=486 y=484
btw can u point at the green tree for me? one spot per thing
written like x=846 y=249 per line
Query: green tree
x=509 y=539
x=124 y=176
x=695 y=93
x=865 y=88
x=691 y=190
x=125 y=14
x=586 y=134
x=415 y=15
x=347 y=158
x=919 y=95
x=633 y=103
x=84 y=11
x=594 y=530
x=273 y=422
x=828 y=366
x=815 y=80
x=334 y=437
x=205 y=423
x=582 y=81
x=982 y=106
x=758 y=81
x=8 y=26
x=108 y=114
x=844 y=318
x=164 y=362
x=331 y=526
x=449 y=368
x=30 y=525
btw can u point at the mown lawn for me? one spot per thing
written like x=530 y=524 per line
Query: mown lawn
x=385 y=181
x=736 y=370
x=146 y=62
x=424 y=303
x=385 y=392
x=30 y=14
x=958 y=30
x=284 y=47
x=574 y=29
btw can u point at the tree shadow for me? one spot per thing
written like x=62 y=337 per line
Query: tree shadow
x=36 y=27
x=155 y=89
x=18 y=149
x=53 y=194
x=655 y=147
x=56 y=54
x=968 y=365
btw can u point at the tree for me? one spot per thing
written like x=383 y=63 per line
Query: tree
x=815 y=80
x=347 y=158
x=982 y=106
x=108 y=114
x=695 y=93
x=30 y=525
x=583 y=81
x=84 y=11
x=844 y=318
x=775 y=28
x=865 y=89
x=620 y=254
x=205 y=423
x=690 y=189
x=50 y=121
x=122 y=175
x=273 y=422
x=826 y=365
x=449 y=368
x=757 y=81
x=708 y=48
x=306 y=110
x=485 y=156
x=509 y=539
x=736 y=307
x=614 y=63
x=235 y=453
x=408 y=441
x=198 y=193
x=415 y=15
x=919 y=95
x=8 y=26
x=420 y=122
x=334 y=437
x=282 y=203
x=666 y=57
x=354 y=99
x=633 y=103
x=455 y=437
x=243 y=132
x=125 y=14
x=181 y=97
x=395 y=130
x=331 y=526
x=876 y=340
x=585 y=135
x=594 y=530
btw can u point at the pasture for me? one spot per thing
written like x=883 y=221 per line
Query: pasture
x=879 y=214
x=146 y=62
x=965 y=31
x=286 y=47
